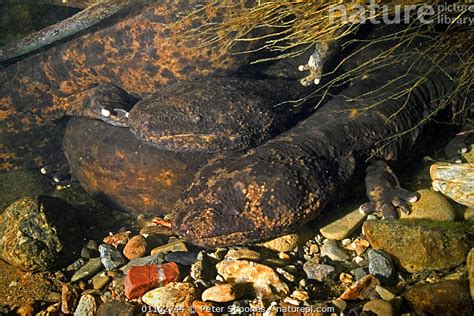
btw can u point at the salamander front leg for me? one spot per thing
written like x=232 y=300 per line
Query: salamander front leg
x=58 y=174
x=315 y=64
x=384 y=192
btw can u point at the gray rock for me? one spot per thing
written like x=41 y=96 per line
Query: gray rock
x=110 y=257
x=116 y=308
x=333 y=251
x=184 y=258
x=148 y=260
x=87 y=306
x=90 y=250
x=39 y=233
x=88 y=270
x=76 y=265
x=359 y=273
x=319 y=272
x=344 y=226
x=381 y=265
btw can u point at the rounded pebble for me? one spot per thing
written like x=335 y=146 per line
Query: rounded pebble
x=431 y=205
x=318 y=272
x=381 y=266
x=221 y=293
x=135 y=248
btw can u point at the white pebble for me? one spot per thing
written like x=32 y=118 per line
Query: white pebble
x=291 y=301
x=358 y=259
x=346 y=242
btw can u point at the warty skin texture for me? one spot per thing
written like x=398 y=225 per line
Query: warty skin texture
x=286 y=182
x=136 y=51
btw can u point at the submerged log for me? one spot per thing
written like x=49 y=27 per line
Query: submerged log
x=80 y=4
x=455 y=180
x=93 y=14
x=112 y=165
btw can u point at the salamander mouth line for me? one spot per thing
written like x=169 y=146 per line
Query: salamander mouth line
x=192 y=136
x=188 y=135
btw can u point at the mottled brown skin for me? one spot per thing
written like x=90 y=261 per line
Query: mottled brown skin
x=121 y=171
x=279 y=186
x=233 y=114
x=135 y=51
x=215 y=114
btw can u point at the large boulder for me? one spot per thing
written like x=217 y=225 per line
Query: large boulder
x=443 y=298
x=39 y=233
x=420 y=245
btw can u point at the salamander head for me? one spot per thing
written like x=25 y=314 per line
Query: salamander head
x=210 y=116
x=228 y=205
x=109 y=103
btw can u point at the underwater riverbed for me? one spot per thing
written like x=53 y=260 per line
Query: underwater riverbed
x=144 y=170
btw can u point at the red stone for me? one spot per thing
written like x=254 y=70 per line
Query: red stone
x=142 y=279
x=117 y=239
x=135 y=247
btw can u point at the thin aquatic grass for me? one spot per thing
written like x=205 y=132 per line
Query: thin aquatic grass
x=292 y=27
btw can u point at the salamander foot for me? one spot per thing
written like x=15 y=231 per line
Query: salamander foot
x=315 y=64
x=384 y=192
